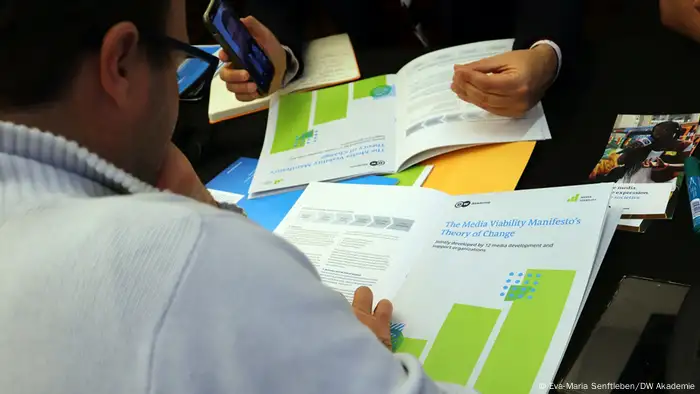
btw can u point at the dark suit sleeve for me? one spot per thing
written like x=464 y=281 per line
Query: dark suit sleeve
x=556 y=20
x=286 y=19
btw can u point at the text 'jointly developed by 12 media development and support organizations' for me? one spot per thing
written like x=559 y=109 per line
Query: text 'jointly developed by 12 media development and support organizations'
x=611 y=386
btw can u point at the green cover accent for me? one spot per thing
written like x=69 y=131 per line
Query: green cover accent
x=363 y=88
x=523 y=341
x=331 y=104
x=412 y=346
x=408 y=177
x=459 y=343
x=692 y=166
x=292 y=122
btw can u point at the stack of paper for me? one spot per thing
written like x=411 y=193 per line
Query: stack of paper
x=328 y=61
x=384 y=124
x=488 y=288
x=644 y=157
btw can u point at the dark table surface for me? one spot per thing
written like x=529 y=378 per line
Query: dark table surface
x=629 y=65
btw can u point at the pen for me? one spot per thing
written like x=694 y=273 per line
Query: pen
x=692 y=179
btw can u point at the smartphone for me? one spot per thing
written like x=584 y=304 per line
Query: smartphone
x=242 y=49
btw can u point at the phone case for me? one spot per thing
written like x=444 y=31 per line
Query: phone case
x=233 y=58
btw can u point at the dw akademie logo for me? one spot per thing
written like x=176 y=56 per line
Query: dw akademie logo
x=462 y=204
x=574 y=198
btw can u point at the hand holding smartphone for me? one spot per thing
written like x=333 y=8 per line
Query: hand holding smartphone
x=253 y=49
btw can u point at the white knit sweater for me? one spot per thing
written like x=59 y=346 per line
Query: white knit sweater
x=109 y=286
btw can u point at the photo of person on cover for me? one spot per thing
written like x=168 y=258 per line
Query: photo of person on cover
x=647 y=149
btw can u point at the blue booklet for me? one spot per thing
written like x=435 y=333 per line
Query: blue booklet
x=270 y=210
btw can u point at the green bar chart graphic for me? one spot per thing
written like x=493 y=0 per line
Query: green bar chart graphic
x=523 y=341
x=363 y=88
x=332 y=104
x=412 y=346
x=292 y=122
x=459 y=343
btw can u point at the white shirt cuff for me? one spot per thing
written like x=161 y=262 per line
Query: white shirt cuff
x=557 y=50
x=292 y=69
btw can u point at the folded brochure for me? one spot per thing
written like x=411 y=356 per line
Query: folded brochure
x=487 y=288
x=383 y=124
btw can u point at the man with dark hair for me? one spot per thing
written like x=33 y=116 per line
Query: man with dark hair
x=111 y=285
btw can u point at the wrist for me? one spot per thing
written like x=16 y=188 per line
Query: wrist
x=548 y=60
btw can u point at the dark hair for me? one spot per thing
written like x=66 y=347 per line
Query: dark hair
x=668 y=128
x=43 y=41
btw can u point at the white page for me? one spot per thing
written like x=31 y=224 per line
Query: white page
x=327 y=134
x=225 y=197
x=611 y=222
x=480 y=248
x=358 y=234
x=463 y=251
x=328 y=61
x=431 y=119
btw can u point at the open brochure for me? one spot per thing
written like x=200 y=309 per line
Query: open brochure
x=327 y=61
x=383 y=124
x=644 y=157
x=488 y=288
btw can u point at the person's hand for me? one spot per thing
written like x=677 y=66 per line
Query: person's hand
x=682 y=16
x=238 y=81
x=379 y=321
x=178 y=176
x=509 y=84
x=658 y=164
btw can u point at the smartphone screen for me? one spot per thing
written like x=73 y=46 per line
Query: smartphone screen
x=243 y=46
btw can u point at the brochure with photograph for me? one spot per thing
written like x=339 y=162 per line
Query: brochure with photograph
x=644 y=158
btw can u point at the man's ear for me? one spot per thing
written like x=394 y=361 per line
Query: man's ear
x=119 y=58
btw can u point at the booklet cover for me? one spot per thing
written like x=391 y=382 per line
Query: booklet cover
x=487 y=288
x=383 y=124
x=644 y=157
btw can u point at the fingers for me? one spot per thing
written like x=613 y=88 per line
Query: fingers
x=248 y=97
x=238 y=82
x=383 y=312
x=242 y=88
x=514 y=103
x=497 y=83
x=508 y=112
x=491 y=100
x=231 y=75
x=223 y=56
x=260 y=33
x=491 y=64
x=363 y=300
